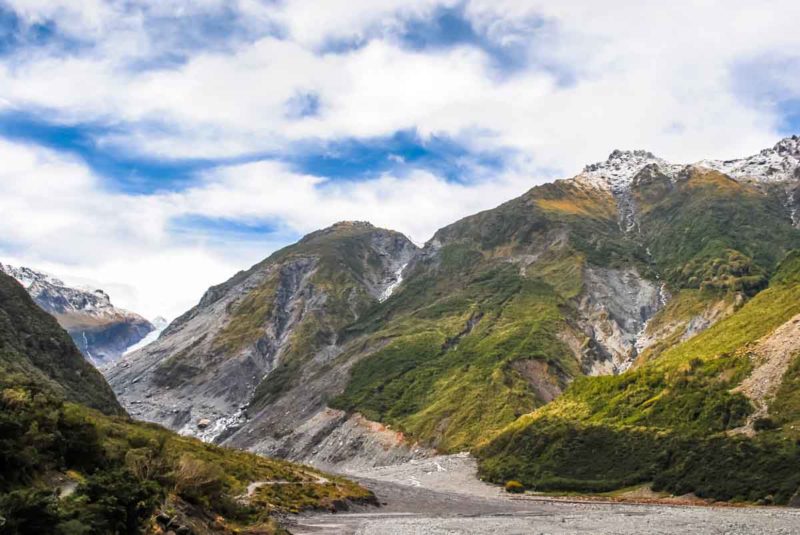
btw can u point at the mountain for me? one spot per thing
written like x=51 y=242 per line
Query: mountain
x=71 y=461
x=36 y=352
x=717 y=415
x=282 y=318
x=502 y=314
x=101 y=331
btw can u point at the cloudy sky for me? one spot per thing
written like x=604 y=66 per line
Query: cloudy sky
x=155 y=147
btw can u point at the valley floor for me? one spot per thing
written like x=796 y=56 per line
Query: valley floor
x=442 y=496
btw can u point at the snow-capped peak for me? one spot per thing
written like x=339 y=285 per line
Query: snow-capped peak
x=777 y=164
x=617 y=172
x=58 y=298
x=28 y=277
x=780 y=163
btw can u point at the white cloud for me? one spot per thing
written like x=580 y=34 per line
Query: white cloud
x=648 y=75
x=615 y=74
x=57 y=217
x=417 y=205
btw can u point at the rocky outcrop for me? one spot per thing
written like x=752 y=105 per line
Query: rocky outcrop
x=101 y=331
x=613 y=312
x=187 y=376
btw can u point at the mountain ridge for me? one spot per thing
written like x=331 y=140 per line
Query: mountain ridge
x=30 y=339
x=493 y=318
x=298 y=297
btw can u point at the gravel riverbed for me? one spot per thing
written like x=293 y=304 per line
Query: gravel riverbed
x=441 y=495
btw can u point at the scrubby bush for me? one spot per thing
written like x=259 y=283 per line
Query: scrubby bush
x=763 y=424
x=28 y=511
x=515 y=487
x=198 y=481
x=117 y=501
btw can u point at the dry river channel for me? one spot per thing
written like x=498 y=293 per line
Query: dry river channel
x=441 y=495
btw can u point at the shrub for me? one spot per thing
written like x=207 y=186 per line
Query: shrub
x=763 y=424
x=197 y=480
x=28 y=511
x=515 y=487
x=117 y=501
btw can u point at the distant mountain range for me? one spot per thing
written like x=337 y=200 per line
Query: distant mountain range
x=628 y=316
x=101 y=331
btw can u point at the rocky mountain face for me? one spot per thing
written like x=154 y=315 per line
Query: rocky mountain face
x=280 y=319
x=101 y=331
x=337 y=350
x=716 y=414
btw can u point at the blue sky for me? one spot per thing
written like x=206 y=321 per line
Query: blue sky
x=156 y=147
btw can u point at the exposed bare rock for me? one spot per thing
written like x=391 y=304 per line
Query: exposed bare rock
x=771 y=357
x=540 y=377
x=614 y=309
x=668 y=327
x=299 y=425
x=201 y=376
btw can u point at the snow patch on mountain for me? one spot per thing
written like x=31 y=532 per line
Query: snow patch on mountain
x=780 y=163
x=617 y=172
x=56 y=297
x=616 y=175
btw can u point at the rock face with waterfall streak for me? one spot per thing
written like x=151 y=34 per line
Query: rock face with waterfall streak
x=353 y=346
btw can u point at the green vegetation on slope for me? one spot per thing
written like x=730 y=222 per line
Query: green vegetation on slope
x=66 y=468
x=785 y=408
x=469 y=361
x=34 y=350
x=666 y=421
x=710 y=231
x=124 y=471
x=512 y=274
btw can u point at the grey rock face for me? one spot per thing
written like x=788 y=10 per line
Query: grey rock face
x=614 y=310
x=183 y=378
x=197 y=371
x=100 y=330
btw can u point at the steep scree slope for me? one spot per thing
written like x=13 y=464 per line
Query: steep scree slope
x=276 y=320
